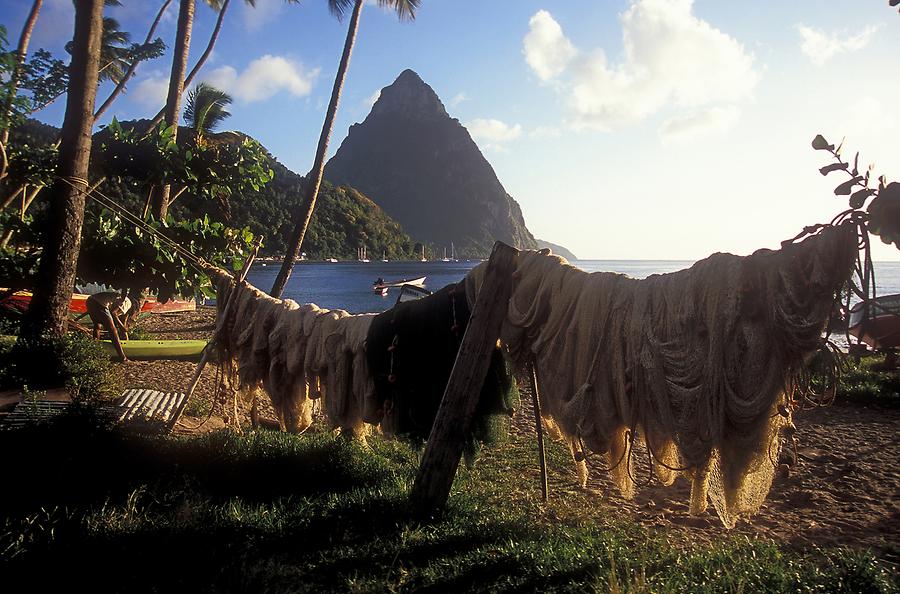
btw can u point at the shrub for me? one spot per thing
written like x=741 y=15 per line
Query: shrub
x=75 y=362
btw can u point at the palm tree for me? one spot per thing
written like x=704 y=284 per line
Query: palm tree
x=22 y=49
x=118 y=60
x=159 y=197
x=126 y=76
x=222 y=7
x=177 y=80
x=48 y=311
x=406 y=10
x=205 y=109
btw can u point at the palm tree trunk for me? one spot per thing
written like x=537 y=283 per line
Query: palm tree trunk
x=12 y=197
x=314 y=178
x=21 y=51
x=160 y=201
x=26 y=201
x=120 y=86
x=206 y=53
x=49 y=308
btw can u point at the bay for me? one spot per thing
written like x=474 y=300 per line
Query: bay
x=348 y=285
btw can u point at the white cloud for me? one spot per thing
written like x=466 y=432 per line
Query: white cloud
x=715 y=120
x=263 y=78
x=546 y=49
x=458 y=98
x=820 y=47
x=491 y=133
x=152 y=90
x=265 y=11
x=671 y=60
x=546 y=132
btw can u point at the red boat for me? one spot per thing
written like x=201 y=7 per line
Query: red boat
x=876 y=322
x=20 y=300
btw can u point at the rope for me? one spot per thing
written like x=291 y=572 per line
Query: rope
x=198 y=262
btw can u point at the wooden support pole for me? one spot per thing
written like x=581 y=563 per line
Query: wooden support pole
x=542 y=454
x=220 y=322
x=454 y=417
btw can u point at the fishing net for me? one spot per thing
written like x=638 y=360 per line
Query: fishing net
x=699 y=366
x=411 y=350
x=296 y=354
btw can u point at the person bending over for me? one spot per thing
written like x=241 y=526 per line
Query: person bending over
x=106 y=310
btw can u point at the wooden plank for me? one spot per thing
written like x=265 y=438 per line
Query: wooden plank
x=131 y=399
x=171 y=402
x=454 y=417
x=129 y=414
x=149 y=408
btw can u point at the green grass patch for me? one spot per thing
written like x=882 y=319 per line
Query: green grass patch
x=87 y=506
x=868 y=382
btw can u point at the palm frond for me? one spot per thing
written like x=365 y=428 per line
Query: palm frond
x=205 y=108
x=405 y=9
x=341 y=7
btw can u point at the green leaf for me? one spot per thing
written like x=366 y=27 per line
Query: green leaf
x=847 y=187
x=858 y=199
x=820 y=144
x=833 y=167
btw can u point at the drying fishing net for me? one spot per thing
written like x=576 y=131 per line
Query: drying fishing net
x=698 y=366
x=411 y=350
x=389 y=370
x=297 y=354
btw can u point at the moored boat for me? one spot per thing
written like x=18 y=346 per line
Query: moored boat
x=381 y=286
x=158 y=349
x=876 y=322
x=19 y=300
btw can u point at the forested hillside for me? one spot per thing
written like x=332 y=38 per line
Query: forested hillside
x=344 y=219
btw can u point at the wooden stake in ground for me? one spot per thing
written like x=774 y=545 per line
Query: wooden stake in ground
x=536 y=402
x=220 y=322
x=454 y=417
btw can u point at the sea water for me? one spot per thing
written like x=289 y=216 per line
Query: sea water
x=348 y=285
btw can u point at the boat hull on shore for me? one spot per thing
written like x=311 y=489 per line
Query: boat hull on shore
x=78 y=304
x=876 y=322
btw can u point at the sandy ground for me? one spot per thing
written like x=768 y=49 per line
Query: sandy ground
x=844 y=490
x=209 y=408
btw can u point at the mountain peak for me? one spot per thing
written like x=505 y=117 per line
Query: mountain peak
x=422 y=167
x=411 y=96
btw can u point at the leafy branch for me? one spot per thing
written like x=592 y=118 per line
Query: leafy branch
x=883 y=210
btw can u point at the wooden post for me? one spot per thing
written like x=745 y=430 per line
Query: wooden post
x=536 y=402
x=454 y=417
x=220 y=322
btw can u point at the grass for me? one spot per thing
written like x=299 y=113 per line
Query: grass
x=867 y=383
x=88 y=506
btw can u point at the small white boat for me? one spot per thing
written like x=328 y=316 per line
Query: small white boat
x=331 y=259
x=411 y=293
x=381 y=286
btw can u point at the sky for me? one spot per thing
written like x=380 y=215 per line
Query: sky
x=625 y=129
